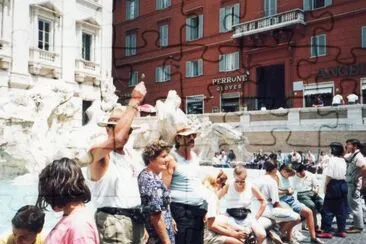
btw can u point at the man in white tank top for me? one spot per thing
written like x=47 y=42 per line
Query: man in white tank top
x=113 y=173
x=189 y=202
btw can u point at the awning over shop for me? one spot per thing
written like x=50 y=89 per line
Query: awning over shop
x=230 y=95
x=308 y=92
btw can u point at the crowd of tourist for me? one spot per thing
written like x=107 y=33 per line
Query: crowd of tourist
x=167 y=202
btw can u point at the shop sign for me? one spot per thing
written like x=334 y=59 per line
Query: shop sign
x=230 y=83
x=343 y=71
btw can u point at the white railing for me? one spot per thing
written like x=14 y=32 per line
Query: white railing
x=44 y=58
x=87 y=71
x=280 y=20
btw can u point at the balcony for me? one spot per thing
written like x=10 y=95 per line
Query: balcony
x=44 y=63
x=5 y=58
x=87 y=71
x=272 y=22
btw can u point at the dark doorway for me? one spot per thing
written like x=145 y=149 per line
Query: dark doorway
x=271 y=86
x=86 y=104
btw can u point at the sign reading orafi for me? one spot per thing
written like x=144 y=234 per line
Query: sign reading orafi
x=230 y=83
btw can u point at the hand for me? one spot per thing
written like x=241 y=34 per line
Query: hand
x=175 y=229
x=138 y=93
x=240 y=235
x=290 y=191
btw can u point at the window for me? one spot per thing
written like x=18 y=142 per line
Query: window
x=229 y=16
x=363 y=90
x=133 y=78
x=318 y=45
x=194 y=68
x=270 y=7
x=314 y=4
x=229 y=62
x=84 y=117
x=194 y=27
x=132 y=9
x=162 y=4
x=363 y=37
x=194 y=104
x=322 y=91
x=44 y=34
x=86 y=46
x=130 y=45
x=162 y=73
x=230 y=102
x=164 y=34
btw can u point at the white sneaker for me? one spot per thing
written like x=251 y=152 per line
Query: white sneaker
x=297 y=235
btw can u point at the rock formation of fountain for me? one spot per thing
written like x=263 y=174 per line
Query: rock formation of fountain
x=39 y=126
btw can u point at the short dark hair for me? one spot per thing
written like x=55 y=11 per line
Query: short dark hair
x=153 y=150
x=354 y=142
x=60 y=183
x=30 y=218
x=288 y=168
x=269 y=166
x=300 y=168
x=336 y=149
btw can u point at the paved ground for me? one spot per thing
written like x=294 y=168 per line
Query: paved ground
x=350 y=239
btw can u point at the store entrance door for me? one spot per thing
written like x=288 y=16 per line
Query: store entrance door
x=271 y=86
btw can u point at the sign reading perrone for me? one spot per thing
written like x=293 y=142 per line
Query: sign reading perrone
x=230 y=83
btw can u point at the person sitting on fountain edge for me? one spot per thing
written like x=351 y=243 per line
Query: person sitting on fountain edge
x=189 y=203
x=113 y=172
x=27 y=226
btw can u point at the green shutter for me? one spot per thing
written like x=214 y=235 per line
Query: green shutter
x=200 y=26
x=188 y=69
x=127 y=45
x=363 y=38
x=266 y=8
x=137 y=8
x=307 y=5
x=236 y=17
x=328 y=2
x=158 y=4
x=236 y=60
x=188 y=29
x=322 y=43
x=222 y=63
x=167 y=72
x=221 y=20
x=200 y=67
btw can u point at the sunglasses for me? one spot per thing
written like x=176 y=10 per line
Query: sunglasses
x=240 y=181
x=110 y=126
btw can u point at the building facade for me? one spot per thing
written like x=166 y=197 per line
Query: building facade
x=241 y=55
x=56 y=43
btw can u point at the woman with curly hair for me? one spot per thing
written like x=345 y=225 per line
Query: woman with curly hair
x=62 y=186
x=155 y=199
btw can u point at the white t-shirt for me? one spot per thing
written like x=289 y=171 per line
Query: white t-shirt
x=352 y=98
x=336 y=168
x=268 y=187
x=213 y=205
x=337 y=99
x=307 y=183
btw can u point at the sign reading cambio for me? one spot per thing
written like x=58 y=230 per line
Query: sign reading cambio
x=230 y=83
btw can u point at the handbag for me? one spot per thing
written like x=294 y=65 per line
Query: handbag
x=238 y=213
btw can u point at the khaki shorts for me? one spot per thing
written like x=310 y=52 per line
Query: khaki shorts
x=118 y=229
x=211 y=237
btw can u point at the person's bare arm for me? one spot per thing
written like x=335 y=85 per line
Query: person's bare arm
x=221 y=230
x=99 y=152
x=222 y=192
x=167 y=175
x=158 y=222
x=260 y=197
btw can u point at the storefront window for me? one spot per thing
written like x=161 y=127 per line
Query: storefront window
x=363 y=90
x=318 y=95
x=230 y=102
x=194 y=105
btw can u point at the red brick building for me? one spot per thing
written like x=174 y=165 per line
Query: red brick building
x=230 y=55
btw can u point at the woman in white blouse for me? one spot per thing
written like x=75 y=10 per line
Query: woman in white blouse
x=335 y=200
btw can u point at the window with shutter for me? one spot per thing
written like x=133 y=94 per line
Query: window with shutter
x=318 y=45
x=363 y=37
x=164 y=35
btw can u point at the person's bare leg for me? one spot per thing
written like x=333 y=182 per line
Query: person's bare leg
x=308 y=215
x=259 y=232
x=232 y=240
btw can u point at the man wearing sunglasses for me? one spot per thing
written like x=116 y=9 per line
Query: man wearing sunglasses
x=113 y=173
x=189 y=204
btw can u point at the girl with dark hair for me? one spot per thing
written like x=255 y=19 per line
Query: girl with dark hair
x=335 y=200
x=62 y=186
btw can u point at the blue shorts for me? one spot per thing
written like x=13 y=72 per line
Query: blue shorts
x=293 y=203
